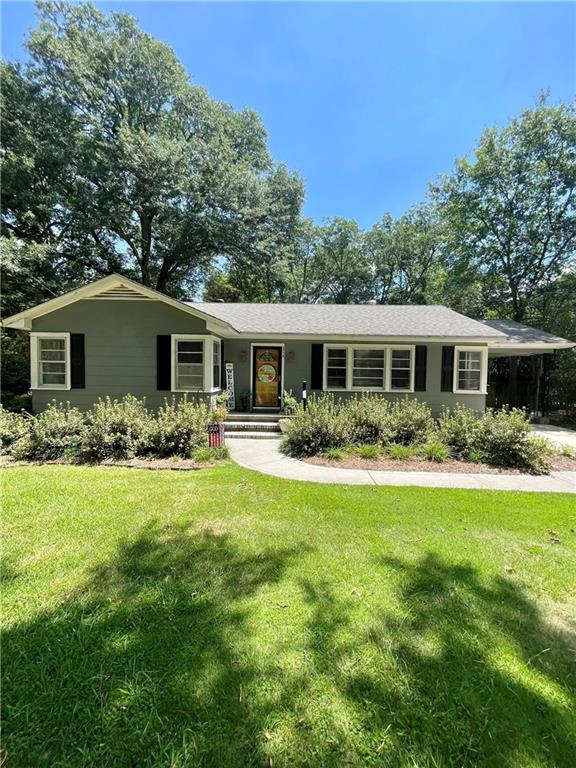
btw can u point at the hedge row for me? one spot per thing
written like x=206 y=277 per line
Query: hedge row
x=112 y=429
x=497 y=437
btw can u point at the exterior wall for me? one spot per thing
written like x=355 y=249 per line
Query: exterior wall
x=120 y=348
x=120 y=356
x=298 y=366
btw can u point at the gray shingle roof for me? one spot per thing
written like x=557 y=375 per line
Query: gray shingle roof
x=517 y=333
x=348 y=320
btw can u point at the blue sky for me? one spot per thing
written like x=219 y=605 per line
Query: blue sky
x=368 y=101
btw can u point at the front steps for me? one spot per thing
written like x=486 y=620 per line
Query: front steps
x=253 y=426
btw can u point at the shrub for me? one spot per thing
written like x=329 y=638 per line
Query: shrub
x=324 y=425
x=336 y=453
x=118 y=429
x=436 y=450
x=504 y=439
x=209 y=454
x=180 y=428
x=367 y=451
x=369 y=418
x=411 y=422
x=400 y=452
x=58 y=432
x=221 y=411
x=16 y=403
x=534 y=453
x=13 y=427
x=458 y=428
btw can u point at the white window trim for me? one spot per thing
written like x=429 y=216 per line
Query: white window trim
x=483 y=371
x=350 y=365
x=34 y=378
x=207 y=355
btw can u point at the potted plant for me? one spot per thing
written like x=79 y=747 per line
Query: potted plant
x=245 y=400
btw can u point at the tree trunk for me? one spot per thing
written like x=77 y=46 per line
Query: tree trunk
x=145 y=248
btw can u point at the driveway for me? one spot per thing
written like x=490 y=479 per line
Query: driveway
x=558 y=435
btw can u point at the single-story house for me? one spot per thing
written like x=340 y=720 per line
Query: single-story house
x=115 y=336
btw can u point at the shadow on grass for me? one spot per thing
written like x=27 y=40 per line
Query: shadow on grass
x=154 y=664
x=465 y=673
x=147 y=665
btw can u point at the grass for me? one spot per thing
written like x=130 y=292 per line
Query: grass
x=225 y=618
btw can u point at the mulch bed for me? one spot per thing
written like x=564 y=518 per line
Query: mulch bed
x=418 y=464
x=137 y=463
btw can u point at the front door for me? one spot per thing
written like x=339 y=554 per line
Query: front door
x=267 y=376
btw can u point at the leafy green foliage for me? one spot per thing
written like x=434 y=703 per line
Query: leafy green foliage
x=510 y=214
x=369 y=417
x=411 y=421
x=56 y=433
x=322 y=426
x=117 y=429
x=366 y=451
x=458 y=427
x=436 y=450
x=504 y=439
x=180 y=428
x=112 y=429
x=401 y=452
x=203 y=455
x=13 y=427
x=406 y=428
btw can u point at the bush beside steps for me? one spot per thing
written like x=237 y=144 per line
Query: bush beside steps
x=112 y=430
x=368 y=425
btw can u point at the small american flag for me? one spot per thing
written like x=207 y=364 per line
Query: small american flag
x=216 y=435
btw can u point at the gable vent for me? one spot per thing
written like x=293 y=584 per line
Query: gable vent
x=120 y=292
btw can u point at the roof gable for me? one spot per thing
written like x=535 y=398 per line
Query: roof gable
x=114 y=287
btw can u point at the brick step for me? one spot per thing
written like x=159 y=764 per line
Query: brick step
x=271 y=418
x=252 y=435
x=251 y=426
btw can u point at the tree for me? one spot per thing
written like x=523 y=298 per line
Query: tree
x=511 y=212
x=144 y=172
x=407 y=255
x=343 y=273
x=258 y=259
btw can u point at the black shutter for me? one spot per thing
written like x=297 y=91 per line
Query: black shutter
x=163 y=362
x=447 y=380
x=317 y=370
x=420 y=368
x=77 y=361
x=222 y=366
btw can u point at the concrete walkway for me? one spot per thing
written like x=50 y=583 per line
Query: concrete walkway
x=558 y=435
x=264 y=456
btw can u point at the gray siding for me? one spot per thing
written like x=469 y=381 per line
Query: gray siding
x=297 y=368
x=120 y=347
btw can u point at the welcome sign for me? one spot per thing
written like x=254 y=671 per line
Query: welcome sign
x=231 y=403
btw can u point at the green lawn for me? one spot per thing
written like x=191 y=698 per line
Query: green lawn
x=224 y=618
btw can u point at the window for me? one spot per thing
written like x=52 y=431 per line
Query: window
x=381 y=368
x=189 y=373
x=401 y=369
x=469 y=370
x=50 y=360
x=336 y=368
x=216 y=365
x=368 y=368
